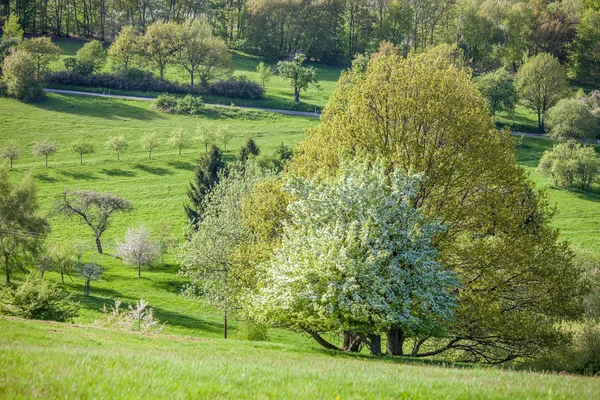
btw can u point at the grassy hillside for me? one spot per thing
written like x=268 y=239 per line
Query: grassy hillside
x=52 y=360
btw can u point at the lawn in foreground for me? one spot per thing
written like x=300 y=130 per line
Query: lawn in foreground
x=51 y=360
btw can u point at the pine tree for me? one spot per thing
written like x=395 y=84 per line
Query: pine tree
x=249 y=148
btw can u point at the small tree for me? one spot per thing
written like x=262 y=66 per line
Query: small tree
x=43 y=52
x=64 y=262
x=138 y=249
x=124 y=48
x=300 y=77
x=569 y=162
x=250 y=148
x=264 y=73
x=224 y=135
x=117 y=144
x=498 y=90
x=89 y=59
x=205 y=136
x=81 y=147
x=572 y=119
x=90 y=272
x=541 y=82
x=12 y=29
x=179 y=139
x=45 y=148
x=149 y=142
x=164 y=238
x=18 y=72
x=44 y=261
x=94 y=209
x=11 y=151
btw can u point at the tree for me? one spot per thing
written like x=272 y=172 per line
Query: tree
x=18 y=72
x=88 y=59
x=572 y=119
x=264 y=73
x=225 y=135
x=568 y=162
x=64 y=262
x=22 y=229
x=206 y=257
x=138 y=249
x=165 y=239
x=586 y=55
x=90 y=272
x=208 y=172
x=515 y=274
x=12 y=29
x=11 y=151
x=201 y=54
x=300 y=77
x=541 y=82
x=81 y=147
x=124 y=48
x=93 y=208
x=45 y=148
x=498 y=90
x=357 y=256
x=43 y=52
x=160 y=45
x=149 y=142
x=117 y=144
x=205 y=136
x=44 y=261
x=179 y=139
x=250 y=148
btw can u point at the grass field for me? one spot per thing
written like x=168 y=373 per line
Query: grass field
x=51 y=360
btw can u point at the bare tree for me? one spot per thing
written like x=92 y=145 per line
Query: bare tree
x=94 y=208
x=90 y=272
x=11 y=151
x=138 y=249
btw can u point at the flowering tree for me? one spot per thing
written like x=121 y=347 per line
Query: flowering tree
x=356 y=256
x=45 y=148
x=138 y=249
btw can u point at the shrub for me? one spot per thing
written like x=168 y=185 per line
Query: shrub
x=19 y=76
x=572 y=119
x=253 y=331
x=138 y=319
x=89 y=59
x=166 y=103
x=38 y=299
x=569 y=162
x=236 y=87
x=173 y=105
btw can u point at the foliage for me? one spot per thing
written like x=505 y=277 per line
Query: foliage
x=45 y=148
x=38 y=299
x=43 y=52
x=498 y=222
x=63 y=260
x=586 y=50
x=90 y=271
x=117 y=144
x=541 y=83
x=124 y=49
x=253 y=331
x=12 y=29
x=264 y=73
x=81 y=147
x=138 y=319
x=93 y=208
x=160 y=44
x=149 y=142
x=300 y=77
x=89 y=59
x=248 y=149
x=207 y=174
x=205 y=136
x=22 y=229
x=179 y=139
x=189 y=105
x=173 y=105
x=225 y=135
x=498 y=91
x=238 y=87
x=138 y=249
x=18 y=72
x=11 y=151
x=572 y=119
x=569 y=163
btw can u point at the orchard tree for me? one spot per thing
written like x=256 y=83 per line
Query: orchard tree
x=93 y=208
x=541 y=83
x=11 y=151
x=22 y=229
x=206 y=258
x=250 y=148
x=149 y=142
x=569 y=162
x=205 y=136
x=138 y=249
x=64 y=262
x=18 y=72
x=160 y=45
x=45 y=148
x=572 y=119
x=117 y=144
x=357 y=256
x=90 y=272
x=264 y=73
x=300 y=77
x=208 y=172
x=44 y=261
x=179 y=139
x=81 y=147
x=498 y=90
x=124 y=49
x=43 y=52
x=224 y=135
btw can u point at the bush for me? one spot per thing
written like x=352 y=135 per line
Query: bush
x=173 y=105
x=138 y=319
x=236 y=87
x=571 y=162
x=19 y=76
x=89 y=59
x=166 y=103
x=38 y=299
x=572 y=119
x=253 y=331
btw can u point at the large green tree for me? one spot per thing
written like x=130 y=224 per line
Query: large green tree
x=300 y=77
x=43 y=52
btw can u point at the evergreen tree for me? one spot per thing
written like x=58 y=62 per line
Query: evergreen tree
x=206 y=176
x=249 y=148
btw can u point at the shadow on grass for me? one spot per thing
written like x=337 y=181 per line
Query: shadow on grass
x=118 y=172
x=46 y=178
x=79 y=175
x=153 y=170
x=181 y=165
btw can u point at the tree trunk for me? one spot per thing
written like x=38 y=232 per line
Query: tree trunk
x=7 y=275
x=62 y=277
x=139 y=270
x=225 y=325
x=296 y=95
x=322 y=341
x=11 y=164
x=46 y=161
x=81 y=159
x=395 y=340
x=118 y=157
x=375 y=346
x=351 y=342
x=98 y=245
x=540 y=123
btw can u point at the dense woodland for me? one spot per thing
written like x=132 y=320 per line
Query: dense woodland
x=490 y=33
